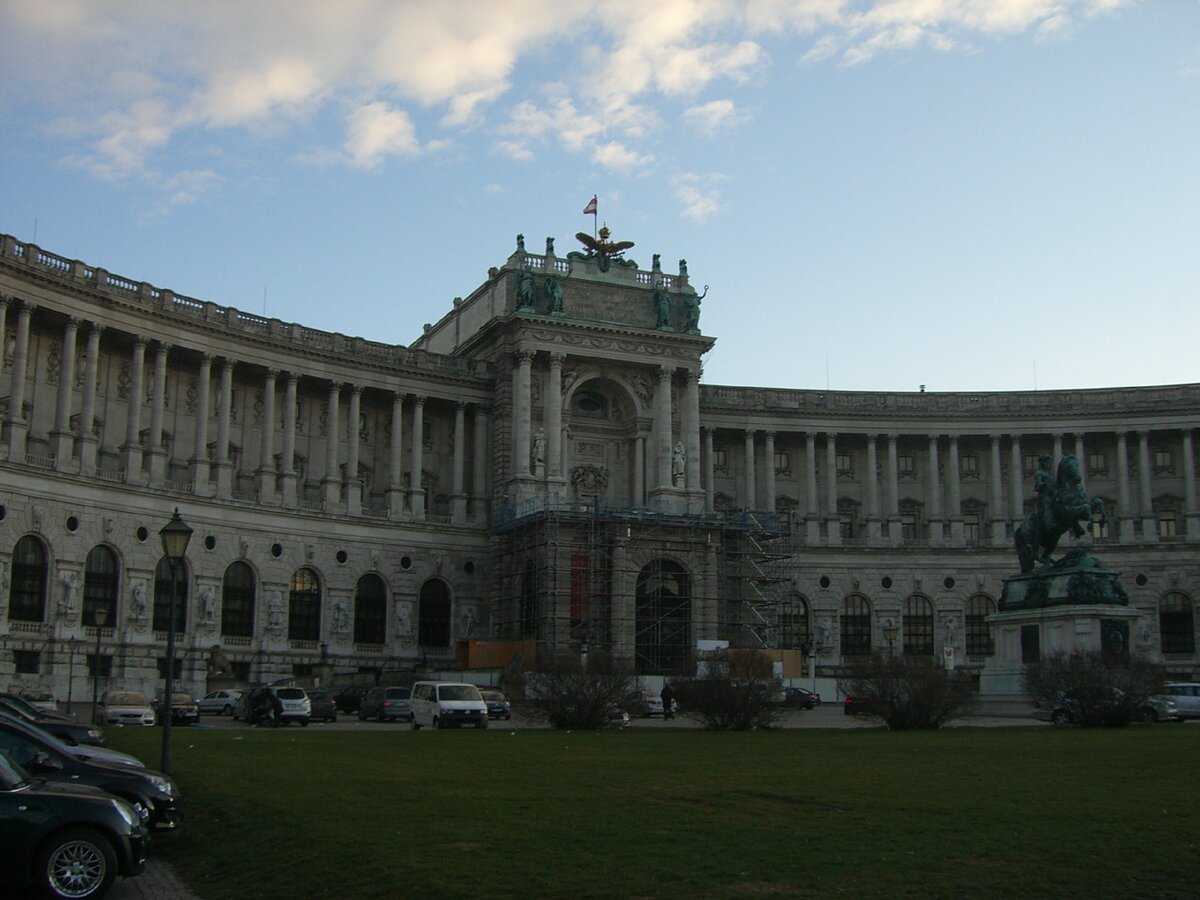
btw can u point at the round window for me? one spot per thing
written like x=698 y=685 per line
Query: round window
x=72 y=524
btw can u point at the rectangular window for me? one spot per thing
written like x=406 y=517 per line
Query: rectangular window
x=971 y=527
x=241 y=669
x=908 y=528
x=1099 y=530
x=27 y=662
x=783 y=462
x=719 y=460
x=1167 y=524
x=1097 y=464
x=969 y=465
x=105 y=666
x=1031 y=464
x=906 y=466
x=302 y=670
x=843 y=464
x=162 y=667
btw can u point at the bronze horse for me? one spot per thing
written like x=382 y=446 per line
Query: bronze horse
x=1062 y=506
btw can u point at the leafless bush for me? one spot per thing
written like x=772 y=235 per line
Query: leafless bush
x=907 y=692
x=565 y=695
x=737 y=693
x=1095 y=689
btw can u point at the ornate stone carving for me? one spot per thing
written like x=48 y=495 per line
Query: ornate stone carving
x=589 y=479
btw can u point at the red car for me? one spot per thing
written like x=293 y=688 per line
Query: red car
x=856 y=706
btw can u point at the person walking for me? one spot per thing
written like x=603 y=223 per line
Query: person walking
x=668 y=702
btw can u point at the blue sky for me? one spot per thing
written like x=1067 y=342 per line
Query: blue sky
x=966 y=194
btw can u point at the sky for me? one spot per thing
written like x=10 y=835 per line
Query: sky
x=969 y=195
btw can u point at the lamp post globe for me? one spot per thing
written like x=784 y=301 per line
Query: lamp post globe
x=175 y=536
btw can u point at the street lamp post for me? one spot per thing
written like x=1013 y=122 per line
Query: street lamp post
x=100 y=617
x=890 y=630
x=72 y=643
x=175 y=536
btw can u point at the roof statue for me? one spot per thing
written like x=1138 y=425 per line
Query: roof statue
x=604 y=252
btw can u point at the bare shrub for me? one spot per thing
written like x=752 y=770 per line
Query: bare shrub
x=907 y=692
x=737 y=692
x=565 y=695
x=1095 y=689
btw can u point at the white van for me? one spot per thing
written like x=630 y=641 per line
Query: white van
x=447 y=704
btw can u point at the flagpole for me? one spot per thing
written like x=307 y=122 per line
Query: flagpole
x=595 y=217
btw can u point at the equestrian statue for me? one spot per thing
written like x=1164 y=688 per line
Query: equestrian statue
x=1062 y=506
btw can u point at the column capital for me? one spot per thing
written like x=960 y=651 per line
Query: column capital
x=461 y=405
x=693 y=375
x=272 y=374
x=227 y=363
x=557 y=357
x=523 y=355
x=419 y=399
x=335 y=387
x=356 y=390
x=164 y=347
x=96 y=329
x=140 y=340
x=665 y=373
x=28 y=307
x=72 y=322
x=205 y=358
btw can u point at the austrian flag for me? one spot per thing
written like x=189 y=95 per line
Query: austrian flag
x=590 y=209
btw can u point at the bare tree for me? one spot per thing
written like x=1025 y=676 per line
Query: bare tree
x=567 y=695
x=736 y=693
x=1094 y=689
x=907 y=692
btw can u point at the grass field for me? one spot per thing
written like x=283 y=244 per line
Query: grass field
x=1004 y=812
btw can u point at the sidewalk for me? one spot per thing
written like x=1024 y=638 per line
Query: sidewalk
x=158 y=882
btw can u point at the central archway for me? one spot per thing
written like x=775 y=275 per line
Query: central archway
x=662 y=626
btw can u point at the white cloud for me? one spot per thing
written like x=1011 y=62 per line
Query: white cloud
x=709 y=118
x=698 y=194
x=614 y=155
x=377 y=130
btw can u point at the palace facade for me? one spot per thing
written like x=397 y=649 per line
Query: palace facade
x=541 y=465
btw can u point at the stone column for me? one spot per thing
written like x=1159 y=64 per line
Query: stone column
x=63 y=439
x=895 y=527
x=479 y=485
x=266 y=454
x=3 y=328
x=662 y=426
x=331 y=483
x=287 y=464
x=812 y=502
x=709 y=470
x=225 y=410
x=1190 y=511
x=200 y=461
x=872 y=478
x=1058 y=451
x=522 y=405
x=396 y=460
x=18 y=426
x=833 y=532
x=999 y=533
x=88 y=442
x=1145 y=497
x=131 y=451
x=1016 y=481
x=937 y=534
x=751 y=478
x=1125 y=513
x=639 y=470
x=416 y=489
x=354 y=485
x=158 y=404
x=769 y=470
x=954 y=492
x=1081 y=456
x=458 y=496
x=552 y=404
x=622 y=614
x=691 y=430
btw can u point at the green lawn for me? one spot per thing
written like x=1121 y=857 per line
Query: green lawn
x=865 y=813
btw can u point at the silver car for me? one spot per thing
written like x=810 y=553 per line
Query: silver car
x=219 y=703
x=1186 y=695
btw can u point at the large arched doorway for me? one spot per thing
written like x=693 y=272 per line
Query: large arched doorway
x=662 y=628
x=433 y=618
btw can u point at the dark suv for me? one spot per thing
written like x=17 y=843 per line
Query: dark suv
x=65 y=840
x=387 y=704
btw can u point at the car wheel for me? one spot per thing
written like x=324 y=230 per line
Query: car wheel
x=304 y=723
x=437 y=723
x=381 y=716
x=78 y=862
x=333 y=718
x=227 y=711
x=416 y=726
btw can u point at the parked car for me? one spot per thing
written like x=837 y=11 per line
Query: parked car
x=1186 y=695
x=64 y=729
x=43 y=700
x=293 y=700
x=1159 y=708
x=447 y=704
x=497 y=704
x=799 y=698
x=92 y=752
x=184 y=710
x=25 y=706
x=646 y=704
x=124 y=708
x=856 y=706
x=350 y=698
x=1066 y=709
x=65 y=840
x=220 y=703
x=322 y=705
x=387 y=704
x=41 y=754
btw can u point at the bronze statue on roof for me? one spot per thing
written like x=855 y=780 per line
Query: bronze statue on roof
x=603 y=251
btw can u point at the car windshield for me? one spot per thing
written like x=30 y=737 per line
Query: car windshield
x=11 y=775
x=290 y=694
x=495 y=696
x=181 y=699
x=126 y=698
x=44 y=736
x=398 y=693
x=458 y=692
x=19 y=704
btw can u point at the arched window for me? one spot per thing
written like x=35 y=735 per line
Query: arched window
x=237 y=601
x=918 y=626
x=979 y=635
x=370 y=610
x=662 y=619
x=100 y=585
x=1176 y=623
x=528 y=601
x=304 y=606
x=162 y=596
x=793 y=623
x=27 y=593
x=433 y=628
x=856 y=626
